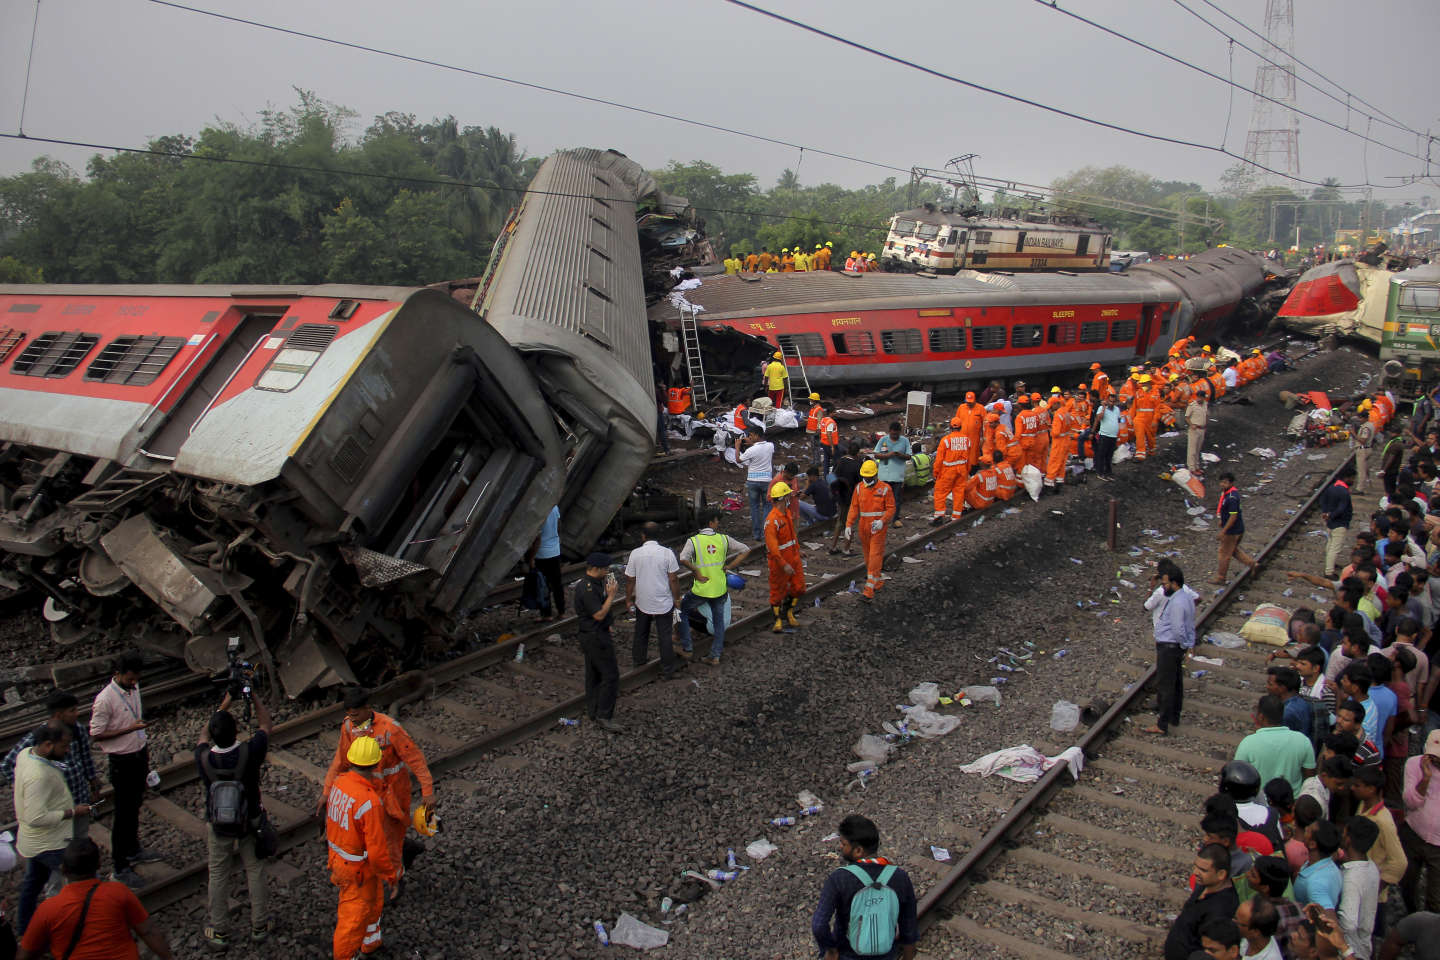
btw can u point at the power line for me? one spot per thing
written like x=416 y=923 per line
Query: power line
x=1054 y=5
x=483 y=75
x=29 y=59
x=1016 y=98
x=1396 y=124
x=400 y=178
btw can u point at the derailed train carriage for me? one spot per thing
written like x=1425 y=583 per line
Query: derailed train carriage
x=331 y=473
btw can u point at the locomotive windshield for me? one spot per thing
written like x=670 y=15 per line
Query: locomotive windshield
x=904 y=228
x=927 y=231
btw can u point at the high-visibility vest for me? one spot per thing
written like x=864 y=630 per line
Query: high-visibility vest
x=917 y=470
x=677 y=400
x=710 y=549
x=740 y=423
x=829 y=433
x=812 y=420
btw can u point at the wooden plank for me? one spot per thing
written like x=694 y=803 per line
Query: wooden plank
x=298 y=764
x=177 y=816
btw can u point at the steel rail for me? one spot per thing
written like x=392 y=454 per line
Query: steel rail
x=935 y=905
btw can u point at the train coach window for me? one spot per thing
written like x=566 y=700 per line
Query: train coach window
x=947 y=340
x=805 y=344
x=857 y=343
x=10 y=338
x=982 y=236
x=987 y=338
x=1412 y=297
x=979 y=256
x=296 y=356
x=1082 y=246
x=54 y=353
x=133 y=361
x=1062 y=333
x=927 y=231
x=905 y=228
x=1094 y=331
x=900 y=341
x=1024 y=335
x=1123 y=330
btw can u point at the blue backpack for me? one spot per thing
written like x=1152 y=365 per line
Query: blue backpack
x=874 y=913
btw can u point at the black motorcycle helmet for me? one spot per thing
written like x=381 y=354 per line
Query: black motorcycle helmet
x=1239 y=780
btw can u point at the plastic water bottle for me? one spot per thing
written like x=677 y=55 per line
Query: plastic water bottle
x=998 y=681
x=1060 y=654
x=666 y=904
x=730 y=858
x=569 y=722
x=782 y=822
x=811 y=810
x=722 y=875
x=600 y=932
x=520 y=653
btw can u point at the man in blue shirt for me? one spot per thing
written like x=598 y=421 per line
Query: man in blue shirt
x=1355 y=682
x=1284 y=682
x=1107 y=432
x=1387 y=704
x=859 y=843
x=1336 y=511
x=891 y=453
x=544 y=557
x=1319 y=880
x=1174 y=638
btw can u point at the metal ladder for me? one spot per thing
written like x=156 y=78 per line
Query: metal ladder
x=694 y=363
x=788 y=349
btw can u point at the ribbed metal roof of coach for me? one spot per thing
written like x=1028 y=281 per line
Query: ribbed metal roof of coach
x=573 y=263
x=1425 y=273
x=724 y=297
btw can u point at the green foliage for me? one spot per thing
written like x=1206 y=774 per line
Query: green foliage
x=13 y=271
x=145 y=218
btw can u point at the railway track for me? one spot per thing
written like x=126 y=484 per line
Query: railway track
x=1137 y=803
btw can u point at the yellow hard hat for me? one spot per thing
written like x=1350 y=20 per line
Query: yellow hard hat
x=870 y=255
x=814 y=396
x=777 y=355
x=869 y=469
x=817 y=246
x=1365 y=405
x=784 y=249
x=782 y=489
x=1134 y=369
x=1145 y=378
x=1174 y=376
x=829 y=244
x=854 y=253
x=363 y=752
x=1054 y=390
x=1255 y=351
x=700 y=415
x=425 y=822
x=1205 y=349
x=1135 y=373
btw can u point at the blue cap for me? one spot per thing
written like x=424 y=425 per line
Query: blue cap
x=599 y=559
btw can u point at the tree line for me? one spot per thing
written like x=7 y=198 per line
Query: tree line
x=296 y=199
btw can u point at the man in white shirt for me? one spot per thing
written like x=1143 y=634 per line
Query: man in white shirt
x=117 y=726
x=1231 y=376
x=1360 y=884
x=757 y=461
x=652 y=590
x=1258 y=920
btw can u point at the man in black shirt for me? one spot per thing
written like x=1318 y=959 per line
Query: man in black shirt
x=1214 y=896
x=1336 y=512
x=847 y=478
x=822 y=502
x=594 y=596
x=220 y=756
x=859 y=844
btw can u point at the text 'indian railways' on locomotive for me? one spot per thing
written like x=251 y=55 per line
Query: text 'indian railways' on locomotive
x=942 y=240
x=331 y=473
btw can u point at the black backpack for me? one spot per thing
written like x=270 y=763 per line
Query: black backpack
x=226 y=809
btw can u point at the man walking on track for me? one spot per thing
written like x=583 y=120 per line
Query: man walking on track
x=867 y=907
x=1232 y=529
x=360 y=863
x=710 y=556
x=787 y=572
x=1174 y=638
x=400 y=757
x=1335 y=511
x=873 y=506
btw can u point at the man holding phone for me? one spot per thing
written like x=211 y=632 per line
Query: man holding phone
x=1420 y=834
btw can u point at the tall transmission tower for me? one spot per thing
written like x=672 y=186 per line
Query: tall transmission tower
x=1273 y=139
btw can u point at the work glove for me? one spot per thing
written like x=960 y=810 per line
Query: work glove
x=849 y=534
x=876 y=526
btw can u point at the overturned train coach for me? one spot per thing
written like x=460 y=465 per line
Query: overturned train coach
x=957 y=330
x=332 y=473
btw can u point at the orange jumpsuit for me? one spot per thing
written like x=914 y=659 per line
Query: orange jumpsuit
x=751 y=262
x=980 y=492
x=867 y=505
x=1006 y=481
x=987 y=439
x=972 y=419
x=1059 y=443
x=952 y=468
x=398 y=758
x=766 y=258
x=782 y=547
x=1127 y=390
x=812 y=419
x=1382 y=403
x=359 y=862
x=1142 y=412
x=1101 y=384
x=1217 y=383
x=739 y=421
x=1029 y=436
x=1008 y=447
x=787 y=264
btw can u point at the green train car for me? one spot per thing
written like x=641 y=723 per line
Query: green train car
x=1411 y=336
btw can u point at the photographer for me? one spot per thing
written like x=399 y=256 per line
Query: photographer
x=230 y=771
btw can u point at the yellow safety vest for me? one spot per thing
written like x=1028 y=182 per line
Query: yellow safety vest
x=709 y=558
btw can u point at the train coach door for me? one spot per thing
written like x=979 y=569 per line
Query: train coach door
x=166 y=443
x=1147 y=329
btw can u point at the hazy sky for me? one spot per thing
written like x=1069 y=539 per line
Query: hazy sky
x=121 y=71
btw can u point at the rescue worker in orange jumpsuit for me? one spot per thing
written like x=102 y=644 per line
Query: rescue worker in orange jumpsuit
x=972 y=421
x=1006 y=481
x=1217 y=384
x=1143 y=410
x=872 y=507
x=980 y=492
x=765 y=259
x=752 y=261
x=1027 y=420
x=952 y=469
x=400 y=758
x=359 y=861
x=829 y=441
x=1099 y=381
x=787 y=260
x=812 y=422
x=987 y=437
x=1386 y=407
x=1128 y=388
x=1007 y=448
x=1059 y=410
x=782 y=548
x=739 y=419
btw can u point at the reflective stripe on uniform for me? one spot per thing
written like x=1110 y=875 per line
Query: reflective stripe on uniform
x=876 y=513
x=361 y=810
x=786 y=544
x=345 y=854
x=391 y=771
x=951 y=463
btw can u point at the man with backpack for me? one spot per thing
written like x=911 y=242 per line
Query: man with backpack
x=230 y=772
x=867 y=907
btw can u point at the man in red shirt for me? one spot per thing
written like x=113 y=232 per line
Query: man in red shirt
x=90 y=919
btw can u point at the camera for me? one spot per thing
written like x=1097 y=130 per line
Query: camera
x=240 y=677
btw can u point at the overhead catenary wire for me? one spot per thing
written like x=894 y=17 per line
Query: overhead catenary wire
x=1048 y=108
x=1233 y=84
x=29 y=61
x=400 y=178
